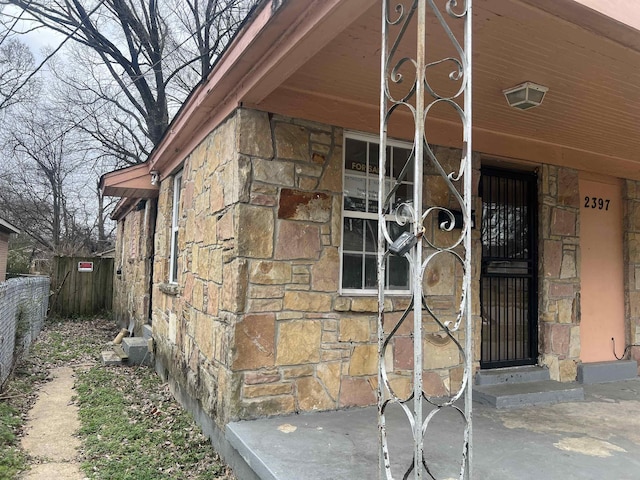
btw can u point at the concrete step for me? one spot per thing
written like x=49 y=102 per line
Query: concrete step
x=137 y=350
x=147 y=332
x=500 y=376
x=117 y=349
x=602 y=372
x=511 y=395
x=109 y=357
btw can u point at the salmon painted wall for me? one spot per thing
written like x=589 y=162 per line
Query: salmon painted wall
x=623 y=11
x=602 y=274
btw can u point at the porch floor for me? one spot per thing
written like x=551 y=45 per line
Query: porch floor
x=596 y=439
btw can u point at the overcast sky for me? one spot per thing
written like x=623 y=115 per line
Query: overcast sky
x=37 y=40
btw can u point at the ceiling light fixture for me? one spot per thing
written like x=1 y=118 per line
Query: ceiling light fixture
x=525 y=96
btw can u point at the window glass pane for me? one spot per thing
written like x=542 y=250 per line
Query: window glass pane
x=374 y=159
x=352 y=271
x=398 y=273
x=174 y=267
x=403 y=194
x=396 y=230
x=176 y=201
x=355 y=156
x=352 y=234
x=371 y=236
x=400 y=158
x=355 y=193
x=370 y=271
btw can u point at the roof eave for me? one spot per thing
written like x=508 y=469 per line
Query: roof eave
x=6 y=227
x=135 y=181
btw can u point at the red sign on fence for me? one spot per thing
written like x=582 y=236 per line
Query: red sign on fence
x=85 y=266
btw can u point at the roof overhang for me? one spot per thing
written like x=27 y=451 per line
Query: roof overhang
x=134 y=181
x=6 y=227
x=320 y=60
x=278 y=40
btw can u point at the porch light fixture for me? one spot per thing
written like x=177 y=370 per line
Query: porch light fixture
x=525 y=96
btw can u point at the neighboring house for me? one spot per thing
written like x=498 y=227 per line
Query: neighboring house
x=6 y=229
x=243 y=238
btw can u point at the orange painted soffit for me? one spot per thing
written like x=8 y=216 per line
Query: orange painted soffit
x=281 y=37
x=132 y=181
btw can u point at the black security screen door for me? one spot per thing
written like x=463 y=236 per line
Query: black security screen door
x=509 y=269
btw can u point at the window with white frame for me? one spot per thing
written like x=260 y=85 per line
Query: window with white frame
x=360 y=214
x=175 y=218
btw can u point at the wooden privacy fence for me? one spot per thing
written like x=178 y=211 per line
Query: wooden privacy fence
x=81 y=285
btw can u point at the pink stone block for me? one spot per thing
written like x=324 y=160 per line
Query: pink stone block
x=297 y=240
x=356 y=392
x=551 y=258
x=403 y=353
x=561 y=290
x=560 y=338
x=563 y=222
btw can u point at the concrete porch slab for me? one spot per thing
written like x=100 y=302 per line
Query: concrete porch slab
x=597 y=439
x=601 y=372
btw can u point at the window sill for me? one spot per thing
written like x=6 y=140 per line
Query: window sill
x=169 y=288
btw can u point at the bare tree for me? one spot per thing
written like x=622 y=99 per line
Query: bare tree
x=16 y=64
x=145 y=57
x=40 y=186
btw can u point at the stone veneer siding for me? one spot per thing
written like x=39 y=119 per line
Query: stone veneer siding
x=559 y=298
x=255 y=325
x=631 y=225
x=134 y=242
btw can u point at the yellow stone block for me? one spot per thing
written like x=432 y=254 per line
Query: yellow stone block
x=204 y=335
x=307 y=301
x=269 y=273
x=253 y=391
x=329 y=373
x=364 y=360
x=311 y=395
x=355 y=329
x=440 y=355
x=298 y=342
x=568 y=370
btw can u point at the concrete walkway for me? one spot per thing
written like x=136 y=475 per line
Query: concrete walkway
x=598 y=439
x=50 y=430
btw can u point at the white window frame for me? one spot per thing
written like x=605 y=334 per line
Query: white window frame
x=175 y=220
x=365 y=215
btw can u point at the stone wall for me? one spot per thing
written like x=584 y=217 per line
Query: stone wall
x=132 y=268
x=631 y=225
x=559 y=298
x=255 y=325
x=194 y=319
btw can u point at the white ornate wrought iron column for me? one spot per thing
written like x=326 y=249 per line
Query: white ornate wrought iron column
x=419 y=77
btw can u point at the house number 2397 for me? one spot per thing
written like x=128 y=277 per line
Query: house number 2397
x=596 y=202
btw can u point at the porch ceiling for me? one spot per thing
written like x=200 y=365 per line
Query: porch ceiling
x=589 y=120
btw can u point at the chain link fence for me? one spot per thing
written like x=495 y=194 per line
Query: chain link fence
x=23 y=309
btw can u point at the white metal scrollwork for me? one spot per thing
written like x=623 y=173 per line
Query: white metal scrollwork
x=414 y=85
